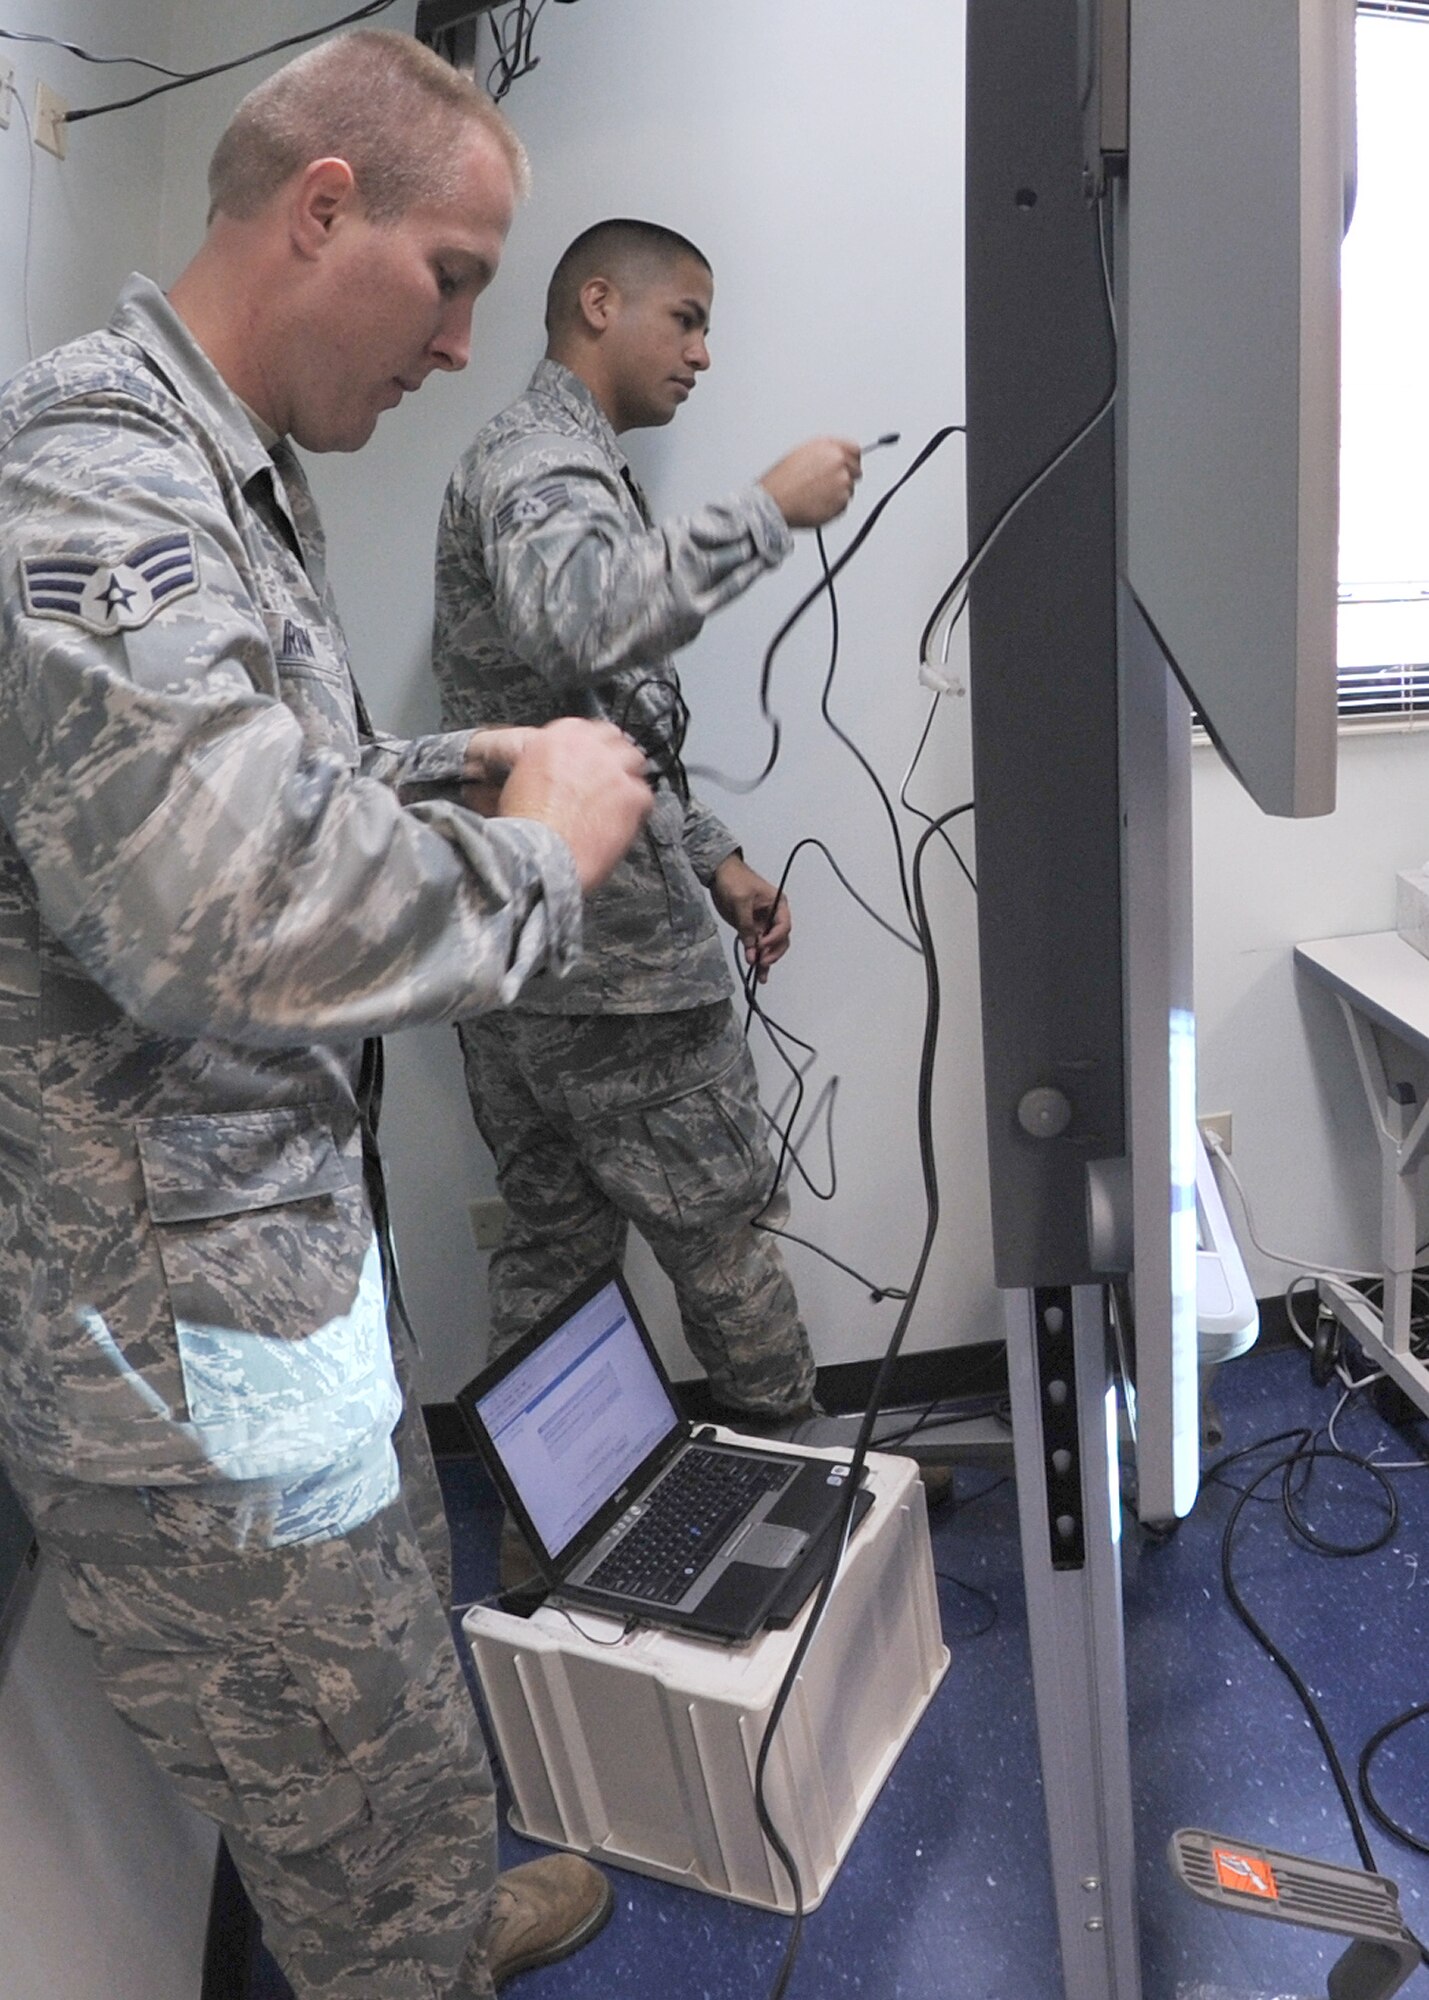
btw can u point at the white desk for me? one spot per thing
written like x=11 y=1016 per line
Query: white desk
x=1383 y=983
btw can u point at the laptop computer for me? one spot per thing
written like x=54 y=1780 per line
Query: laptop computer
x=628 y=1509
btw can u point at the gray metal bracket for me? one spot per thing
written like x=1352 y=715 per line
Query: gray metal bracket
x=1063 y=1425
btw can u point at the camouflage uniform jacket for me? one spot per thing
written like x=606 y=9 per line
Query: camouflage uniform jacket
x=555 y=595
x=211 y=892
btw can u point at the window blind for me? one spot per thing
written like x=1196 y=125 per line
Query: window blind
x=1383 y=650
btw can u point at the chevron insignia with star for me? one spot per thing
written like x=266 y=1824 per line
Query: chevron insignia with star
x=524 y=510
x=111 y=597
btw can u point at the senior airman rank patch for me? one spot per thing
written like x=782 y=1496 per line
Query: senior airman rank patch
x=529 y=508
x=111 y=597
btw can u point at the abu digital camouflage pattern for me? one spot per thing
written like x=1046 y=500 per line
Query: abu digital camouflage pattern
x=625 y=1093
x=213 y=887
x=654 y=1119
x=555 y=595
x=308 y=1699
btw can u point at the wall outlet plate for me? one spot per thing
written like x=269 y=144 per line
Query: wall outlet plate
x=488 y=1222
x=1217 y=1125
x=50 y=114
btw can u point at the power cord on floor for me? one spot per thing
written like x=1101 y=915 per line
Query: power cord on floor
x=986 y=1597
x=1302 y=1457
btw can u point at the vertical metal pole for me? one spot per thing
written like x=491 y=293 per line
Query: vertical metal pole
x=1045 y=733
x=1064 y=1437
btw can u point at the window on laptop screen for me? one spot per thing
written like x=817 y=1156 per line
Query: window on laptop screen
x=575 y=1418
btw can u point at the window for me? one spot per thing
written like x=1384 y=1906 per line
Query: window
x=1384 y=454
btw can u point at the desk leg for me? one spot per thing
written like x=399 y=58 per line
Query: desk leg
x=1064 y=1438
x=1402 y=1137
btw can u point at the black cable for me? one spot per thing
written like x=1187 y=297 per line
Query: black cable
x=965 y=574
x=811 y=596
x=755 y=1011
x=845 y=739
x=973 y=1590
x=939 y=1413
x=960 y=1501
x=1024 y=493
x=660 y=728
x=778 y=1035
x=1367 y=1792
x=812 y=840
x=178 y=79
x=514 y=58
x=749 y=981
x=1305 y=1450
x=878 y=1293
x=822 y=1106
x=626 y=1629
x=788 y=1151
x=858 y=1460
x=88 y=55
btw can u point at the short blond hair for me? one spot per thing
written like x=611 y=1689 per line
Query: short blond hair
x=383 y=102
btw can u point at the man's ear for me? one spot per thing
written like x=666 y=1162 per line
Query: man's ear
x=322 y=195
x=599 y=301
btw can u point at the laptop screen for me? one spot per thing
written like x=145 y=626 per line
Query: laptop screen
x=575 y=1418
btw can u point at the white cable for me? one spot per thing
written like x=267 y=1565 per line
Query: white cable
x=903 y=799
x=1307 y=1265
x=1372 y=1458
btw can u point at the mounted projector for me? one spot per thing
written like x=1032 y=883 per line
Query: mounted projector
x=449 y=26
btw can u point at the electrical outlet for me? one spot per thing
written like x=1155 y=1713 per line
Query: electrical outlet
x=1217 y=1125
x=51 y=112
x=7 y=84
x=488 y=1222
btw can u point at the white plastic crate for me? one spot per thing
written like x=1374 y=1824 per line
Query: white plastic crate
x=642 y=1752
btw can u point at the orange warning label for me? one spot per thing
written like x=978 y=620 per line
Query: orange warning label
x=1243 y=1872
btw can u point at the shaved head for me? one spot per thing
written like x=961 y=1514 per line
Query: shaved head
x=630 y=254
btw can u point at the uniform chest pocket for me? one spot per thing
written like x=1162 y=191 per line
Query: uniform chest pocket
x=313 y=680
x=688 y=917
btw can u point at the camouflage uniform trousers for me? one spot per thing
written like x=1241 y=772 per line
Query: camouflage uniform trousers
x=596 y=1121
x=309 y=1700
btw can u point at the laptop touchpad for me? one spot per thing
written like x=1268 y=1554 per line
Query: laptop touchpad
x=769 y=1546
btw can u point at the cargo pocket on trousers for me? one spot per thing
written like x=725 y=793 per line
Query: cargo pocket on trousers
x=694 y=1160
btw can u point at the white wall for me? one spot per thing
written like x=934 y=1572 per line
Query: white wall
x=104 y=1876
x=817 y=159
x=1273 y=1047
x=819 y=166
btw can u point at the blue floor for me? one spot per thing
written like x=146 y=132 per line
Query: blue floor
x=945 y=1894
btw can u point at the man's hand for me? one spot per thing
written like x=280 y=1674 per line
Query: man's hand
x=755 y=909
x=491 y=755
x=586 y=781
x=815 y=481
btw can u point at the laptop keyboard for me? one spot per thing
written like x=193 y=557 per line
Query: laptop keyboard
x=696 y=1505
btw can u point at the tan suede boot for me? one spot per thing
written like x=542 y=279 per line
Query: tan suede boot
x=542 y=1911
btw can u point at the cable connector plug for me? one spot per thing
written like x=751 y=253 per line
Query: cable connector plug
x=940 y=682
